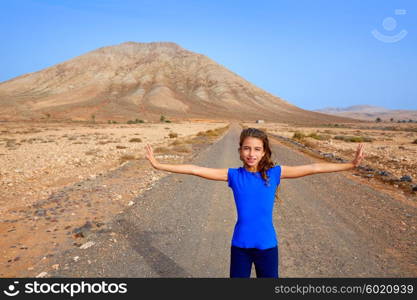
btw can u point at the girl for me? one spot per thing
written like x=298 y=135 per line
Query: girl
x=254 y=186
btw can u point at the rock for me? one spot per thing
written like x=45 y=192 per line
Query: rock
x=414 y=187
x=55 y=267
x=41 y=275
x=83 y=230
x=40 y=212
x=406 y=178
x=384 y=173
x=87 y=245
x=99 y=224
x=76 y=258
x=131 y=203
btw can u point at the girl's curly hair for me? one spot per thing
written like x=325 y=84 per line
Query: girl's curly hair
x=266 y=162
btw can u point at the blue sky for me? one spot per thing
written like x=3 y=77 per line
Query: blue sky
x=313 y=54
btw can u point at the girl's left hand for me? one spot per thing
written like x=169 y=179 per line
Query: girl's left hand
x=359 y=155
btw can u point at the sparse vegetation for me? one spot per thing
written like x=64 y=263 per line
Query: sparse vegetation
x=317 y=136
x=353 y=139
x=92 y=152
x=162 y=150
x=106 y=142
x=135 y=140
x=136 y=121
x=176 y=142
x=298 y=135
x=164 y=119
x=126 y=157
x=182 y=148
x=210 y=132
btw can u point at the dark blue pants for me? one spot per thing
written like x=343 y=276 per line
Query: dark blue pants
x=266 y=262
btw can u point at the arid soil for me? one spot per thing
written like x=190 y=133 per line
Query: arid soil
x=61 y=181
x=328 y=225
x=389 y=147
x=40 y=161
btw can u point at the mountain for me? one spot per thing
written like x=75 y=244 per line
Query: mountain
x=370 y=113
x=144 y=81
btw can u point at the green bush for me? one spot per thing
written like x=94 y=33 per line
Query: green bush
x=318 y=136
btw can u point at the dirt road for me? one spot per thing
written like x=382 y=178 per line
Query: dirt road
x=328 y=226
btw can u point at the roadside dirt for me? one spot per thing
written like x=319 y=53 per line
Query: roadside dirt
x=328 y=225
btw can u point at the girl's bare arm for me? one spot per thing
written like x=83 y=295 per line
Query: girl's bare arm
x=208 y=173
x=304 y=170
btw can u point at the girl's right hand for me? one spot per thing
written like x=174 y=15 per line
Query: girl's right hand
x=149 y=155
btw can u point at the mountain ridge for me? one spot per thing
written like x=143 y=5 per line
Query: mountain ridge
x=144 y=80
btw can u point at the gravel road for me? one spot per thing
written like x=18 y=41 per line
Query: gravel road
x=328 y=226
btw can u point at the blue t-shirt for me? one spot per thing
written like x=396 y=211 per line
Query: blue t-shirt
x=254 y=203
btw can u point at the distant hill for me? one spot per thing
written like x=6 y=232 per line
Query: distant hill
x=144 y=81
x=370 y=113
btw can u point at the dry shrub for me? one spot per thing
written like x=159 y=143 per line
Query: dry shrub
x=135 y=140
x=92 y=152
x=319 y=137
x=208 y=133
x=120 y=147
x=353 y=139
x=176 y=143
x=298 y=135
x=162 y=150
x=173 y=135
x=182 y=148
x=126 y=157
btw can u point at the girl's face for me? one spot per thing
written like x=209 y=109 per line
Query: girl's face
x=252 y=151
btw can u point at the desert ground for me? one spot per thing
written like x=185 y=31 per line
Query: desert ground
x=390 y=149
x=41 y=162
x=38 y=160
